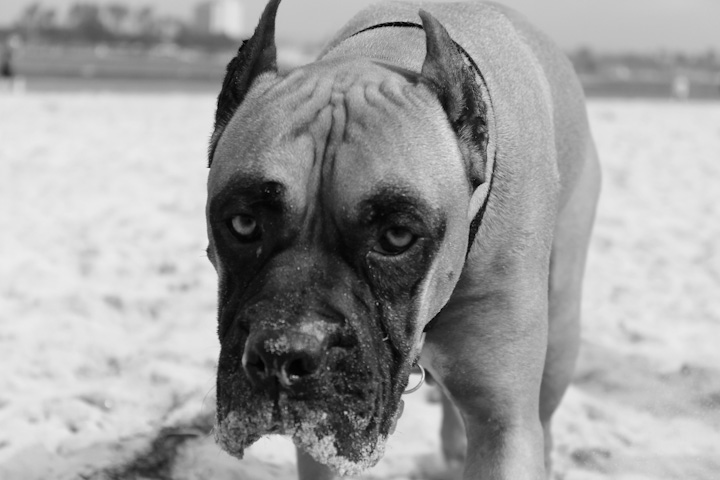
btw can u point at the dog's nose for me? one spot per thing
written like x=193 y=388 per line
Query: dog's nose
x=291 y=357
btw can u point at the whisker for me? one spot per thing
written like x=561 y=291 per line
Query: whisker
x=202 y=406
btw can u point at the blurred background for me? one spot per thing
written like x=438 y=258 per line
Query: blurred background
x=646 y=48
x=108 y=342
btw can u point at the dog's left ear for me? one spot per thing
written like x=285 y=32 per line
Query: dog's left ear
x=448 y=76
x=255 y=56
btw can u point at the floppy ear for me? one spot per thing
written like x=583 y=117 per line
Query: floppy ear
x=255 y=56
x=454 y=83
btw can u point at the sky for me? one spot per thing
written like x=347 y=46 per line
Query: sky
x=604 y=25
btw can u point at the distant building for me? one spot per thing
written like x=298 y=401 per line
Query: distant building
x=220 y=17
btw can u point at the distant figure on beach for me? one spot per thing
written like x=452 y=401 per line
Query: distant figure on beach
x=681 y=87
x=7 y=67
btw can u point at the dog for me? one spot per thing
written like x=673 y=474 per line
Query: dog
x=422 y=193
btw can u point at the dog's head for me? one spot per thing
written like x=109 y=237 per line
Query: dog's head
x=339 y=205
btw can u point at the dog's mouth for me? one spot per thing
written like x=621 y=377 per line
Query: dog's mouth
x=342 y=419
x=332 y=433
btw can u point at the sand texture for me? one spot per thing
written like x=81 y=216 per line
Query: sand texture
x=107 y=302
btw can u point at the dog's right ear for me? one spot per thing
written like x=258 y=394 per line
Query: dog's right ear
x=255 y=56
x=459 y=94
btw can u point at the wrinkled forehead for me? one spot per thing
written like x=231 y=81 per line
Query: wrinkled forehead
x=360 y=123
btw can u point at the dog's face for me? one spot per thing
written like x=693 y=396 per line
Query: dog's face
x=338 y=224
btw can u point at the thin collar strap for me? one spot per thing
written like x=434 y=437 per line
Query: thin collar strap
x=460 y=48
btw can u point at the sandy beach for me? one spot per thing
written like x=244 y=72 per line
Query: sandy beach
x=107 y=303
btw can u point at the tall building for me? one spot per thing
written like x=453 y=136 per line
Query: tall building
x=220 y=17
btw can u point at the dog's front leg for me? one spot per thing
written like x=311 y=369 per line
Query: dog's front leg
x=487 y=349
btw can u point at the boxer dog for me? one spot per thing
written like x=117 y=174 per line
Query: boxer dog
x=424 y=191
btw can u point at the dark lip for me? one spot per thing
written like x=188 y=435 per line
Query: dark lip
x=279 y=398
x=357 y=379
x=287 y=424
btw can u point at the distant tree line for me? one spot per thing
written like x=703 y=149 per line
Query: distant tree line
x=111 y=24
x=588 y=62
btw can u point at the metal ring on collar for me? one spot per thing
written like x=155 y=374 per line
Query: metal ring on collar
x=420 y=383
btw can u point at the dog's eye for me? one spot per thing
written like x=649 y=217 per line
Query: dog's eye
x=245 y=228
x=395 y=240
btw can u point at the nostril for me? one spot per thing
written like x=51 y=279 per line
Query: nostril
x=294 y=370
x=298 y=367
x=254 y=364
x=257 y=364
